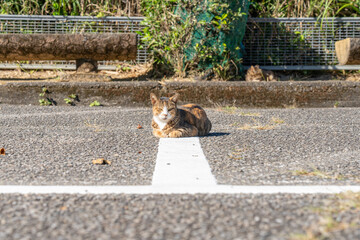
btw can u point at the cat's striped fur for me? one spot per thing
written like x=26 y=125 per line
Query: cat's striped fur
x=184 y=121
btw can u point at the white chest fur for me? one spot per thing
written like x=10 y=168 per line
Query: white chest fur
x=163 y=118
x=159 y=122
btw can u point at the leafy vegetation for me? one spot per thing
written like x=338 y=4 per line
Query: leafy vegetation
x=70 y=100
x=46 y=100
x=258 y=8
x=99 y=8
x=305 y=8
x=189 y=37
x=95 y=104
x=195 y=35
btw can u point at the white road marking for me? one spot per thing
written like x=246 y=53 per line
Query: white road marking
x=181 y=168
x=181 y=162
x=217 y=189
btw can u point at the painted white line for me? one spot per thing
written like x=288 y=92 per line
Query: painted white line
x=217 y=189
x=181 y=168
x=181 y=162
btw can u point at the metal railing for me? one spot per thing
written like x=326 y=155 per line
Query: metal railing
x=272 y=43
x=69 y=24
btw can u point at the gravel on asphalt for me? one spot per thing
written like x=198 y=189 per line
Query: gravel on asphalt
x=284 y=146
x=56 y=145
x=175 y=217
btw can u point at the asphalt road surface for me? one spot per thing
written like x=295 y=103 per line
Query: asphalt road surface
x=56 y=146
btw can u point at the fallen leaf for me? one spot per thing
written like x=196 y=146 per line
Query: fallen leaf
x=2 y=151
x=101 y=161
x=63 y=208
x=139 y=152
x=107 y=162
x=139 y=126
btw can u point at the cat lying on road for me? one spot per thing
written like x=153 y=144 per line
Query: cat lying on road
x=171 y=121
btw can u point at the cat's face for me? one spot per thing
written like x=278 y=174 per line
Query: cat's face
x=164 y=109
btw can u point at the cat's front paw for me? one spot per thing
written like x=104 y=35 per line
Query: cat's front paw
x=159 y=134
x=175 y=134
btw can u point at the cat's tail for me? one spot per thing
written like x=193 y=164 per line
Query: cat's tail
x=206 y=129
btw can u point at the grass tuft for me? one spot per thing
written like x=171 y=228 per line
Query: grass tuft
x=237 y=153
x=317 y=173
x=347 y=203
x=256 y=125
x=94 y=126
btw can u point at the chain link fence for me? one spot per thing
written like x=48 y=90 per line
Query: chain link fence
x=272 y=43
x=297 y=43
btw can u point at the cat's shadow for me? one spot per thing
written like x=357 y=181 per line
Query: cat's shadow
x=216 y=134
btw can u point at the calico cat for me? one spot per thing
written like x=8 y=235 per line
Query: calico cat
x=171 y=121
x=256 y=74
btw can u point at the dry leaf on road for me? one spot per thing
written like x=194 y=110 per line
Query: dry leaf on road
x=63 y=208
x=2 y=151
x=139 y=126
x=101 y=161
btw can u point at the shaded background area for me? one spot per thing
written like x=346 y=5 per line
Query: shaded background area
x=296 y=42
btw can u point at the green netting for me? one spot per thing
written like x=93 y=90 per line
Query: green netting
x=217 y=36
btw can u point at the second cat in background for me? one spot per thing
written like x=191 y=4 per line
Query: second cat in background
x=256 y=74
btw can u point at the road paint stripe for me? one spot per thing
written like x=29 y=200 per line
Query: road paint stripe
x=181 y=162
x=181 y=168
x=217 y=189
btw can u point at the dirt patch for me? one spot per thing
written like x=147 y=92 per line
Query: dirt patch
x=125 y=72
x=353 y=77
x=207 y=94
x=144 y=72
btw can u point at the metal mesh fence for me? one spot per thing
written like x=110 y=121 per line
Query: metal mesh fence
x=297 y=43
x=70 y=24
x=272 y=43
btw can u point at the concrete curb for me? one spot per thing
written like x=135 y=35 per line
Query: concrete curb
x=207 y=94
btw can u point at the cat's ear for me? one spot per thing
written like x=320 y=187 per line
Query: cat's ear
x=153 y=98
x=175 y=98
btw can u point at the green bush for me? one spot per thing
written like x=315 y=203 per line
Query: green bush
x=187 y=36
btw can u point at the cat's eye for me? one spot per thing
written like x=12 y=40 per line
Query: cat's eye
x=170 y=109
